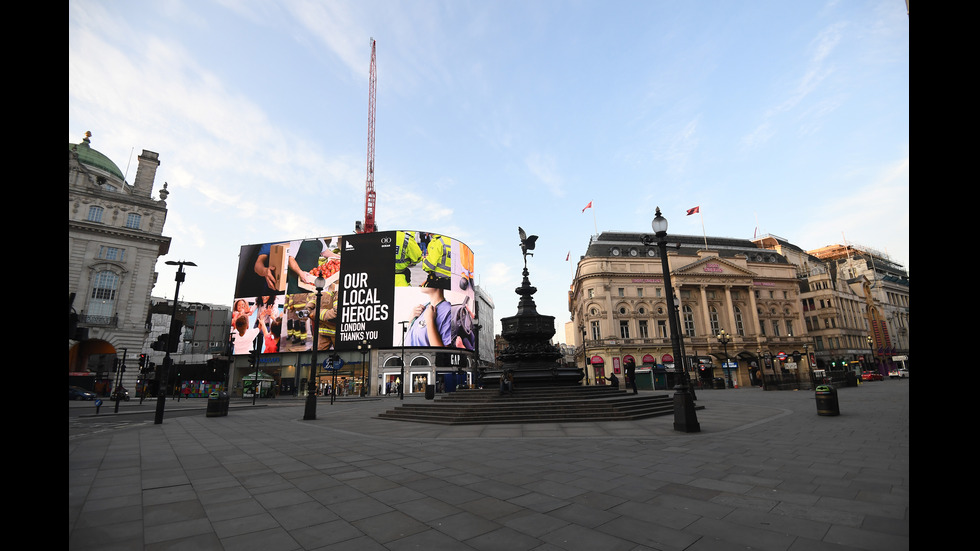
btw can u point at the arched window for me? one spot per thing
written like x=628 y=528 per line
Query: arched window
x=715 y=326
x=133 y=221
x=739 y=328
x=688 y=321
x=103 y=298
x=95 y=213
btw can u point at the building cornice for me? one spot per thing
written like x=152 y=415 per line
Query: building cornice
x=162 y=241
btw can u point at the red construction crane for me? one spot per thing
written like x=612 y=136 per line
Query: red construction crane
x=369 y=197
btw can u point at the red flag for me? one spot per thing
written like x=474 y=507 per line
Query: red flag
x=695 y=210
x=589 y=206
x=567 y=256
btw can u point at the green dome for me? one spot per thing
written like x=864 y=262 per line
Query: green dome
x=91 y=157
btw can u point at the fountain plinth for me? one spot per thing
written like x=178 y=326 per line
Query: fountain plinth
x=529 y=354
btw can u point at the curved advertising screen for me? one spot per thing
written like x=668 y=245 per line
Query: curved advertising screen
x=379 y=288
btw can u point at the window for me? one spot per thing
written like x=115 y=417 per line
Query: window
x=591 y=293
x=789 y=327
x=639 y=291
x=112 y=253
x=133 y=221
x=103 y=298
x=762 y=327
x=688 y=321
x=775 y=328
x=662 y=328
x=595 y=331
x=624 y=329
x=622 y=292
x=715 y=326
x=644 y=332
x=739 y=328
x=95 y=214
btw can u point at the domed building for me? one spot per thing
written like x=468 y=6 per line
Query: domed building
x=115 y=234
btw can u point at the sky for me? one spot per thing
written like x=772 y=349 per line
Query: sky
x=788 y=118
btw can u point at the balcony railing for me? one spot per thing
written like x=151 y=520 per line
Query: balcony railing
x=100 y=321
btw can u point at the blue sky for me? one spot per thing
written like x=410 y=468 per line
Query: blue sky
x=789 y=118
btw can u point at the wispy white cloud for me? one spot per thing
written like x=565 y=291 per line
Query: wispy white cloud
x=545 y=169
x=817 y=68
x=679 y=146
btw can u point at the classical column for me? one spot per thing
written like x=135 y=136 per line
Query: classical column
x=705 y=311
x=730 y=312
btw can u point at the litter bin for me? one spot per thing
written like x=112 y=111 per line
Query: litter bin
x=827 y=403
x=430 y=392
x=217 y=404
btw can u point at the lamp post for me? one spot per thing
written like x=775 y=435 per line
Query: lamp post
x=401 y=378
x=871 y=348
x=161 y=393
x=685 y=417
x=477 y=379
x=365 y=348
x=310 y=412
x=806 y=354
x=724 y=338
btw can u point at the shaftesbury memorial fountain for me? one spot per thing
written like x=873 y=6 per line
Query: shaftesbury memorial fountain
x=529 y=354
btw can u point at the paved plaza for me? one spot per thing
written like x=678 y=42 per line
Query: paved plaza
x=765 y=472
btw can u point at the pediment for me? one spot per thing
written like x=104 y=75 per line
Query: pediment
x=713 y=266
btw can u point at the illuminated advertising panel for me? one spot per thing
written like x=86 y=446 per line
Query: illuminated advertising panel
x=379 y=287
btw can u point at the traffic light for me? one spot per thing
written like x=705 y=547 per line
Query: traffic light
x=161 y=343
x=142 y=362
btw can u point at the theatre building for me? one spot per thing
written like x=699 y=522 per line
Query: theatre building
x=619 y=310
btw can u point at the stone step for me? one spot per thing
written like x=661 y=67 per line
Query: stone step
x=532 y=393
x=546 y=406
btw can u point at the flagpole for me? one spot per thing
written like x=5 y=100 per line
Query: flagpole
x=704 y=233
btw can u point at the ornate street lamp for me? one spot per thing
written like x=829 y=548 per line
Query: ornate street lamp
x=871 y=348
x=310 y=413
x=724 y=338
x=365 y=348
x=685 y=417
x=171 y=340
x=401 y=379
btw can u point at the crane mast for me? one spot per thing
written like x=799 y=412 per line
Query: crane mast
x=369 y=197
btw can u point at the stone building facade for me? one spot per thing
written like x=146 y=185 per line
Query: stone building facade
x=618 y=308
x=115 y=235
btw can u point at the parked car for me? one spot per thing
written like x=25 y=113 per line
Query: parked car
x=871 y=376
x=79 y=393
x=900 y=373
x=120 y=393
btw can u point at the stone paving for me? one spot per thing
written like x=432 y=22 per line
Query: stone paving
x=765 y=472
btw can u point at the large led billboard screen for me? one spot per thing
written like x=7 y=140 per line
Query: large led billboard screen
x=377 y=285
